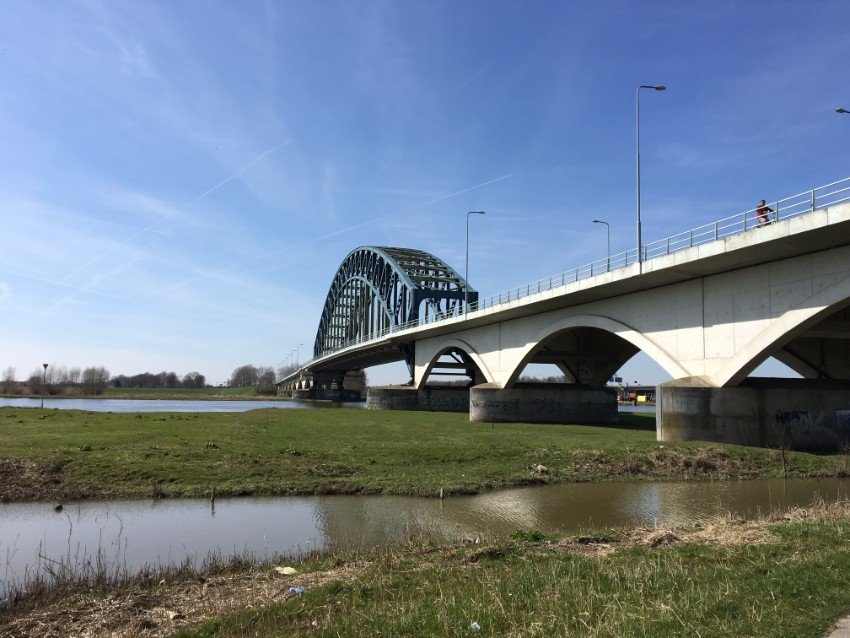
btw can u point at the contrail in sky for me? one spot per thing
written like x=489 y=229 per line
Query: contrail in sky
x=277 y=251
x=465 y=190
x=235 y=175
x=167 y=215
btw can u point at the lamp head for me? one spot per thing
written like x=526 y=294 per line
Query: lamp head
x=840 y=110
x=476 y=212
x=660 y=87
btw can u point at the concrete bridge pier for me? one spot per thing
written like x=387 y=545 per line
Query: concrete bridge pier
x=543 y=403
x=800 y=414
x=426 y=398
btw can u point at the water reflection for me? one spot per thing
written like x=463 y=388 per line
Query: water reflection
x=132 y=534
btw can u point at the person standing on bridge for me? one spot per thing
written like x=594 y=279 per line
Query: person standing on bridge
x=763 y=213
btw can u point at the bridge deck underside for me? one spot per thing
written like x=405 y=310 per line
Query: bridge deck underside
x=374 y=355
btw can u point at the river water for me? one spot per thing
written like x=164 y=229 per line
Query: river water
x=192 y=405
x=132 y=533
x=164 y=405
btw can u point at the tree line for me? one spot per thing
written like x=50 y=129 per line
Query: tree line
x=192 y=380
x=57 y=380
x=250 y=376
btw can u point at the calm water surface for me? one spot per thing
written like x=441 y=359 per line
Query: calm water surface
x=191 y=405
x=165 y=405
x=131 y=534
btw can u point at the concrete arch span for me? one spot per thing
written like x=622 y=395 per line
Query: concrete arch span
x=597 y=346
x=454 y=345
x=822 y=316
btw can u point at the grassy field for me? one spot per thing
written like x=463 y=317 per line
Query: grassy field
x=183 y=393
x=65 y=454
x=783 y=575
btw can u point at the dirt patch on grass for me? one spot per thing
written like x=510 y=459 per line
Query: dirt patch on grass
x=166 y=608
x=726 y=532
x=23 y=480
x=663 y=462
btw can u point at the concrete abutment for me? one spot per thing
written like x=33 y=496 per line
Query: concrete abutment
x=425 y=398
x=801 y=414
x=543 y=403
x=525 y=403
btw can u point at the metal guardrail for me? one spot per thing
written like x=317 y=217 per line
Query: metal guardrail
x=737 y=224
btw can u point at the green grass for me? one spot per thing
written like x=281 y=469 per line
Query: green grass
x=63 y=454
x=182 y=393
x=795 y=585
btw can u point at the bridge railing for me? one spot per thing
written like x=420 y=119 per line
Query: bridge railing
x=794 y=206
x=739 y=223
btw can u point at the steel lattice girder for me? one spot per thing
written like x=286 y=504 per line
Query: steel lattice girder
x=377 y=288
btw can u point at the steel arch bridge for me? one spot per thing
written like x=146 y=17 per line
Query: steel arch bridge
x=377 y=288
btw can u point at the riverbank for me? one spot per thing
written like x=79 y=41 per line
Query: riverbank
x=60 y=455
x=726 y=577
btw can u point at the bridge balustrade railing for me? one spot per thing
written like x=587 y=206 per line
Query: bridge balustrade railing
x=739 y=223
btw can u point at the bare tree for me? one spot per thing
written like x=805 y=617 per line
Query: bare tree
x=74 y=376
x=35 y=381
x=282 y=371
x=95 y=380
x=52 y=377
x=194 y=380
x=47 y=380
x=265 y=381
x=244 y=377
x=8 y=385
x=172 y=380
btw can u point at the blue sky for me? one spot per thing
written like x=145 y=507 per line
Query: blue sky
x=180 y=180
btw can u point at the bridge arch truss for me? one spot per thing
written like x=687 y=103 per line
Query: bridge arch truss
x=377 y=289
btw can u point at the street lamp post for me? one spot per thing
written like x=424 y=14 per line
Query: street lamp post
x=656 y=87
x=466 y=274
x=43 y=382
x=608 y=230
x=298 y=354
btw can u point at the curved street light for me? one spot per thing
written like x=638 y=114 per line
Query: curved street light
x=655 y=87
x=466 y=274
x=43 y=382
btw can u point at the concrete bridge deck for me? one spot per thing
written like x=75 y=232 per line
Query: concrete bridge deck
x=817 y=231
x=707 y=313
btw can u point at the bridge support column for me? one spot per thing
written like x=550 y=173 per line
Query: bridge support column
x=801 y=414
x=542 y=403
x=426 y=398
